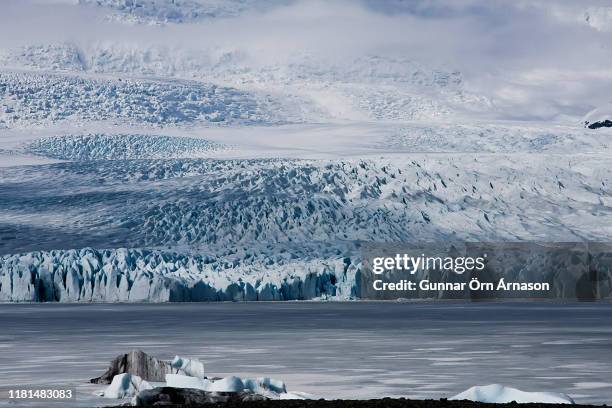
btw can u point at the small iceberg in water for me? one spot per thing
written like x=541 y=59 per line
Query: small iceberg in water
x=499 y=394
x=125 y=385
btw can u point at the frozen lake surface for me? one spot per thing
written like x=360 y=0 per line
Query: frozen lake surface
x=332 y=350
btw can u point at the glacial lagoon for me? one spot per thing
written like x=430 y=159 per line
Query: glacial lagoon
x=330 y=350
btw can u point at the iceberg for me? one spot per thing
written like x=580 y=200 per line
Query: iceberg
x=264 y=384
x=188 y=367
x=183 y=381
x=125 y=385
x=128 y=375
x=499 y=394
x=227 y=384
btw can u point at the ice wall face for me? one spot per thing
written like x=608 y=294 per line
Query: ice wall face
x=122 y=275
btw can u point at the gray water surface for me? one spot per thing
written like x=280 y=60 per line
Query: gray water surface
x=331 y=350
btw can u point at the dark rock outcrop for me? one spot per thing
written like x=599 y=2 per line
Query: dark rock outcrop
x=191 y=397
x=375 y=403
x=598 y=124
x=137 y=363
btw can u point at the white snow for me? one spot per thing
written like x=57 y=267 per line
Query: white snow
x=499 y=394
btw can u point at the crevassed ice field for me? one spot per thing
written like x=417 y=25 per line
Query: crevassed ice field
x=243 y=150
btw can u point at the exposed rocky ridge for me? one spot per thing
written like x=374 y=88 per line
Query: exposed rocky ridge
x=600 y=124
x=600 y=117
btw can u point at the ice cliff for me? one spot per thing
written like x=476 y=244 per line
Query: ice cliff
x=120 y=275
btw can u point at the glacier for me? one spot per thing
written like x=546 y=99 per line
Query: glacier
x=213 y=229
x=164 y=152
